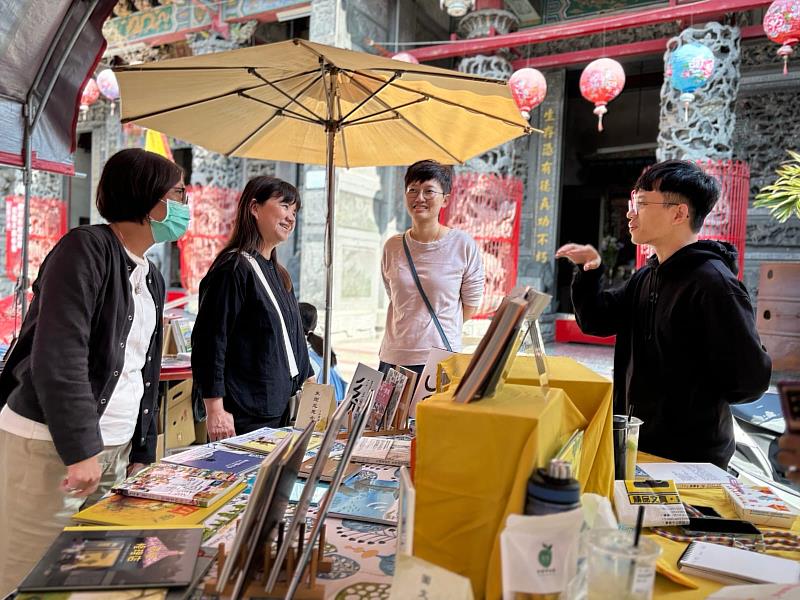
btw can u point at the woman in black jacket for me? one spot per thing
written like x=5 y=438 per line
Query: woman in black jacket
x=249 y=354
x=79 y=389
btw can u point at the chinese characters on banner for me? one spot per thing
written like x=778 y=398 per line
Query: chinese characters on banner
x=488 y=208
x=213 y=211
x=546 y=172
x=48 y=224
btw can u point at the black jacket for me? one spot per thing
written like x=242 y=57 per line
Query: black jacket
x=71 y=346
x=687 y=347
x=237 y=344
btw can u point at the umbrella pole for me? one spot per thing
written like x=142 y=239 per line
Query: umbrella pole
x=331 y=178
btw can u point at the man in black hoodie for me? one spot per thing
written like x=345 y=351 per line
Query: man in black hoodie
x=687 y=345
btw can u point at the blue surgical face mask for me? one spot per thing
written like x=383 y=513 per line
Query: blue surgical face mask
x=174 y=225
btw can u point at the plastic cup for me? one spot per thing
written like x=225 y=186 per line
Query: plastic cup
x=632 y=446
x=618 y=569
x=620 y=433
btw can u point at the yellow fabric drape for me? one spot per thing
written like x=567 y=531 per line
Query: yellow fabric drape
x=473 y=462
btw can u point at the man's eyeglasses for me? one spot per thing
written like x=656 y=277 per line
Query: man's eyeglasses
x=634 y=204
x=427 y=194
x=183 y=196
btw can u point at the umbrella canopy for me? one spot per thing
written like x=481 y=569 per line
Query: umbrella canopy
x=298 y=101
x=271 y=102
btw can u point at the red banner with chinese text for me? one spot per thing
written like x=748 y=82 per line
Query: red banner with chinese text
x=488 y=207
x=48 y=223
x=213 y=211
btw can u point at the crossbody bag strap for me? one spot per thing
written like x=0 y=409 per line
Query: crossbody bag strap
x=424 y=297
x=293 y=370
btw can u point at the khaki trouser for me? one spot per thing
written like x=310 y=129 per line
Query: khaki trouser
x=33 y=510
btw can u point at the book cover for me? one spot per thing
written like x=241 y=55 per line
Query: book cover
x=382 y=399
x=398 y=380
x=178 y=483
x=689 y=475
x=404 y=406
x=264 y=440
x=379 y=450
x=760 y=505
x=182 y=334
x=217 y=458
x=90 y=558
x=117 y=509
x=317 y=402
x=661 y=499
x=328 y=470
x=366 y=496
x=426 y=386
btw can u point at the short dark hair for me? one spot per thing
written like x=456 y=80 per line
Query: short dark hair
x=687 y=183
x=132 y=183
x=425 y=170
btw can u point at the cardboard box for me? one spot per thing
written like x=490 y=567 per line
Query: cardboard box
x=180 y=419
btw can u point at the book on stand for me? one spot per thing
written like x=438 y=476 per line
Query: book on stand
x=382 y=399
x=317 y=403
x=398 y=381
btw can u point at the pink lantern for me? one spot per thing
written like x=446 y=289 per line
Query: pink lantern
x=107 y=83
x=528 y=88
x=782 y=26
x=90 y=94
x=406 y=57
x=602 y=81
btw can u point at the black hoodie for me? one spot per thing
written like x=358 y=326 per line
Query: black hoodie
x=687 y=347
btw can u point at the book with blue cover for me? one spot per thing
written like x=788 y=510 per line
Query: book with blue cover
x=217 y=458
x=367 y=496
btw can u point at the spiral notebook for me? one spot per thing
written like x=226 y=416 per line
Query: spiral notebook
x=736 y=566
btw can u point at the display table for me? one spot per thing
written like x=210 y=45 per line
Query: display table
x=473 y=460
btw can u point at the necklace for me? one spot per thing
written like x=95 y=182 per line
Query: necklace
x=137 y=286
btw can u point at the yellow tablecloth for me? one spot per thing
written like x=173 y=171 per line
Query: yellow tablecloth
x=473 y=461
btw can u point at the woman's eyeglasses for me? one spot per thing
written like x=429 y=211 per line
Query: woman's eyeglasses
x=427 y=194
x=183 y=195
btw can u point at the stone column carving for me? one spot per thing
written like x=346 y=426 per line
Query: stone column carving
x=508 y=159
x=708 y=131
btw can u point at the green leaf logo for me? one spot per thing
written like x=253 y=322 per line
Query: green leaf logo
x=546 y=555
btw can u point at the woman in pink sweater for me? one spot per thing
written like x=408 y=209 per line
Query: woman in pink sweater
x=448 y=268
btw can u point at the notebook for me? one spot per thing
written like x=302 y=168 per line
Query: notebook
x=736 y=566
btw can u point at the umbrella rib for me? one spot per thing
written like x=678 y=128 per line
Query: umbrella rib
x=362 y=122
x=251 y=135
x=417 y=129
x=526 y=128
x=380 y=112
x=292 y=99
x=282 y=109
x=367 y=99
x=341 y=132
x=188 y=104
x=461 y=76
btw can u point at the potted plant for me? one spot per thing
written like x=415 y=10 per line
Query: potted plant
x=779 y=286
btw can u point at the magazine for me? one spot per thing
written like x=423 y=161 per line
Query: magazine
x=95 y=558
x=264 y=440
x=178 y=483
x=218 y=458
x=380 y=450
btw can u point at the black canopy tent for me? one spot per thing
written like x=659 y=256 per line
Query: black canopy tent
x=48 y=50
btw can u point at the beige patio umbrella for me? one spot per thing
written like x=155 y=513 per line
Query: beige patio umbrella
x=303 y=102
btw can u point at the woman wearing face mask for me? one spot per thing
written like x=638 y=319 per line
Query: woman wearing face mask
x=249 y=354
x=79 y=389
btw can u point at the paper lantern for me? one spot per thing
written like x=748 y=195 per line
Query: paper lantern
x=406 y=57
x=782 y=26
x=528 y=88
x=602 y=81
x=90 y=94
x=107 y=83
x=690 y=68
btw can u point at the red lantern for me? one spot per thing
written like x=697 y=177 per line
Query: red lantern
x=90 y=94
x=602 y=81
x=406 y=57
x=782 y=26
x=528 y=88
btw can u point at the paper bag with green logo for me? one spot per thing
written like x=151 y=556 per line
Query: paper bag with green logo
x=539 y=553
